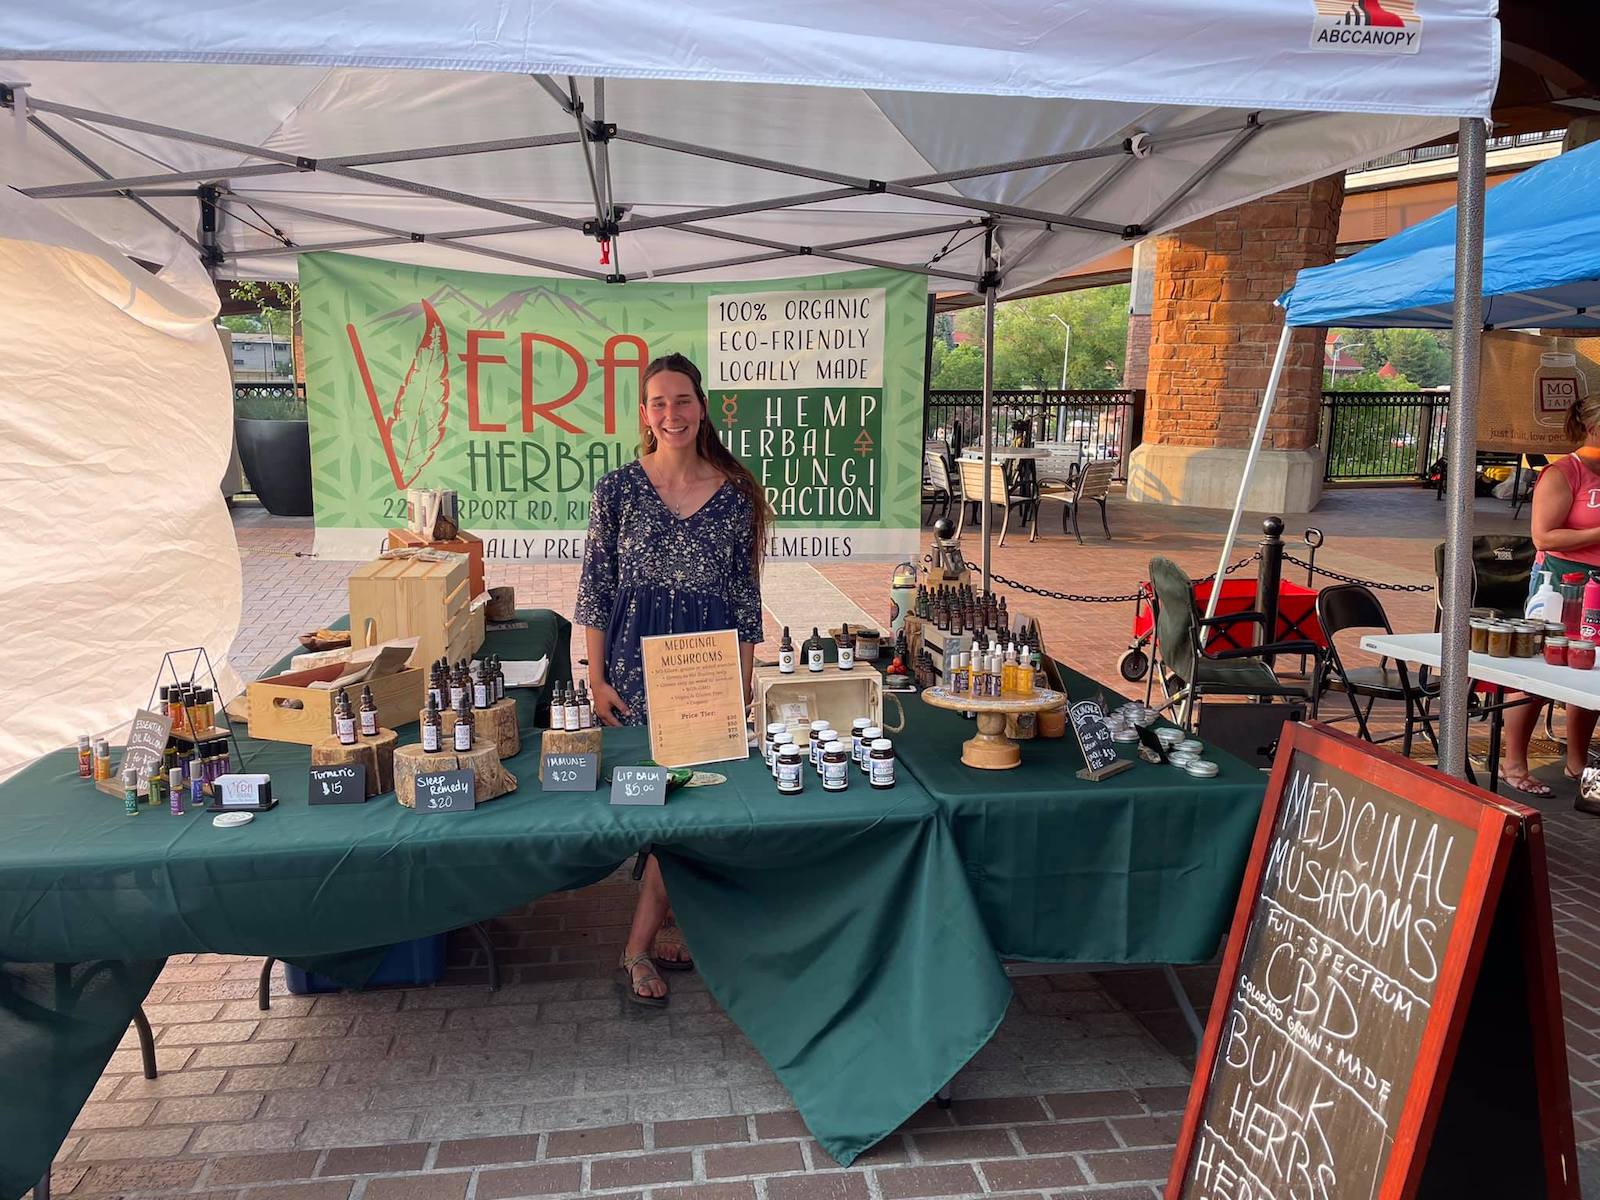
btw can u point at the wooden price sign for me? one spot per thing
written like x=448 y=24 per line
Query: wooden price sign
x=1387 y=1024
x=694 y=685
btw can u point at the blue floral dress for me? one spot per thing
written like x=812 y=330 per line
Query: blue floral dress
x=647 y=571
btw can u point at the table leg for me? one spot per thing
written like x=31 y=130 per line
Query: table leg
x=41 y=1190
x=1190 y=1017
x=1497 y=716
x=147 y=1042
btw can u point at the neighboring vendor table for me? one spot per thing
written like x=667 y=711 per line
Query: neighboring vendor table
x=1580 y=689
x=1007 y=454
x=832 y=927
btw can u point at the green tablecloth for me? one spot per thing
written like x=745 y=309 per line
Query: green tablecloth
x=1143 y=867
x=834 y=928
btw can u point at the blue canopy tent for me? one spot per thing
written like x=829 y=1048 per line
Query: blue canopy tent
x=1540 y=268
x=1541 y=261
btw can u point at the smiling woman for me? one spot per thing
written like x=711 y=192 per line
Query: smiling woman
x=674 y=546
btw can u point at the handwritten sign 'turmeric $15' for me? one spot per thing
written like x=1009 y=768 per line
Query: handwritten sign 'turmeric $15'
x=694 y=686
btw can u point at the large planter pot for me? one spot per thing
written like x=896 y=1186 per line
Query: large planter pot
x=277 y=461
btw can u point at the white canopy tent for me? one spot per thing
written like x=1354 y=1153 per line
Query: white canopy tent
x=986 y=149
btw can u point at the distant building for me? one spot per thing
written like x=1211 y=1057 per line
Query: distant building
x=262 y=358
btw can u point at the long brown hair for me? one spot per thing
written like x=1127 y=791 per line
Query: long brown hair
x=709 y=447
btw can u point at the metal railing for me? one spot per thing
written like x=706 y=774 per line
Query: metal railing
x=1381 y=435
x=1100 y=424
x=1445 y=150
x=275 y=391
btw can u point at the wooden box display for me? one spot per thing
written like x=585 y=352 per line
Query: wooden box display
x=422 y=594
x=286 y=708
x=466 y=543
x=800 y=699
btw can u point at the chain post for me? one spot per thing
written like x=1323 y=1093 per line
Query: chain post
x=1268 y=575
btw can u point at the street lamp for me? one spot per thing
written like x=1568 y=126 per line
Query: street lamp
x=1061 y=409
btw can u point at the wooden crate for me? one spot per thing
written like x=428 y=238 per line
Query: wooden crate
x=285 y=708
x=799 y=700
x=466 y=543
x=423 y=595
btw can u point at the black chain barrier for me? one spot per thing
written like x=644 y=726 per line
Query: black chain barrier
x=1371 y=583
x=1047 y=594
x=1338 y=576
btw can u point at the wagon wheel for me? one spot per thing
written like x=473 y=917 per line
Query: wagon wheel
x=1134 y=665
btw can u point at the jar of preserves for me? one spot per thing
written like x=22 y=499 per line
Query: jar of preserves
x=1521 y=640
x=1580 y=655
x=1555 y=651
x=1499 y=643
x=1479 y=630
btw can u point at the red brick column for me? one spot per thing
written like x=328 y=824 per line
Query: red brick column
x=1214 y=332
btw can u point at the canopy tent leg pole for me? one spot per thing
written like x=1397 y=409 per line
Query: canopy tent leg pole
x=1249 y=466
x=1461 y=441
x=989 y=285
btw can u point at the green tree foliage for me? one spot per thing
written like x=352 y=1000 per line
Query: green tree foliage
x=1028 y=342
x=1370 y=381
x=278 y=303
x=1421 y=355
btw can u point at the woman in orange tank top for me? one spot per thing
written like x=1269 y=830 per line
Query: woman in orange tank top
x=1566 y=531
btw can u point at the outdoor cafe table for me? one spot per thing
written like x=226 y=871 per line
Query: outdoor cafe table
x=834 y=928
x=1143 y=867
x=1533 y=676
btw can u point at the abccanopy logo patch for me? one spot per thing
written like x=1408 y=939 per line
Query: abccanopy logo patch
x=1367 y=26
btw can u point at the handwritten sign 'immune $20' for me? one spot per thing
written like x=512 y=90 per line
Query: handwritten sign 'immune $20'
x=694 y=686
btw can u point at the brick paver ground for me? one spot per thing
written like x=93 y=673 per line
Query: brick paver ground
x=555 y=1086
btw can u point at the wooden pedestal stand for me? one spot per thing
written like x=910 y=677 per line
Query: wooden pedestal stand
x=991 y=749
x=560 y=741
x=493 y=726
x=376 y=753
x=490 y=779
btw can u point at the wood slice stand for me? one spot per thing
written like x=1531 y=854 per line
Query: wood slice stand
x=490 y=779
x=559 y=741
x=991 y=749
x=493 y=726
x=376 y=753
x=502 y=604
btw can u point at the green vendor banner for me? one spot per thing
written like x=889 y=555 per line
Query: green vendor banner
x=520 y=393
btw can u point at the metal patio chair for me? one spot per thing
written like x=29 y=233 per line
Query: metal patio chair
x=1355 y=606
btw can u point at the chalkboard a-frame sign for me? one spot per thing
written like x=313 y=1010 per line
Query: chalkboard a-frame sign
x=1387 y=1025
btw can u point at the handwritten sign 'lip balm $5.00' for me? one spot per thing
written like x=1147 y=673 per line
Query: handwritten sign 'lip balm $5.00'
x=639 y=785
x=446 y=791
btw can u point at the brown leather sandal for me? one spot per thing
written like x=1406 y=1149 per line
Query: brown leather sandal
x=669 y=935
x=631 y=985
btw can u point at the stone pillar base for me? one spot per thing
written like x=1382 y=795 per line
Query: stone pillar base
x=1285 y=481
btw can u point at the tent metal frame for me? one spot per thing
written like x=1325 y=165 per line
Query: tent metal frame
x=1455 y=687
x=593 y=135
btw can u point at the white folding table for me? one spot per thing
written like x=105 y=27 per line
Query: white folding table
x=1581 y=689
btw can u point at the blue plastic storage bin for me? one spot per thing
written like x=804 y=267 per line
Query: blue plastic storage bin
x=415 y=962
